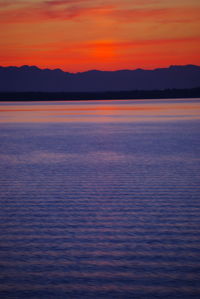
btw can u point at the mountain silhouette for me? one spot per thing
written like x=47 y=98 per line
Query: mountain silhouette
x=33 y=79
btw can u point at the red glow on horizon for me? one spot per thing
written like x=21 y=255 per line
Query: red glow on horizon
x=84 y=35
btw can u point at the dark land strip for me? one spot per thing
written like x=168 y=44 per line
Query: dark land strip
x=107 y=95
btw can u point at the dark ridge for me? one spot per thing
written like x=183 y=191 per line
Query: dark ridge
x=34 y=79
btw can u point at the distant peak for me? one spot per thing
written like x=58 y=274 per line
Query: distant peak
x=58 y=70
x=187 y=66
x=32 y=67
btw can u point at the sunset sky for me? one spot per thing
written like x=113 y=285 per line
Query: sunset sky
x=78 y=35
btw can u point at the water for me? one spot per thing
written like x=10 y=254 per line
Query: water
x=100 y=200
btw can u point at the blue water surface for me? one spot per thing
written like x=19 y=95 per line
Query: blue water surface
x=100 y=209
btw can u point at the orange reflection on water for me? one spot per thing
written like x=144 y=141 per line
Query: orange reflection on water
x=100 y=111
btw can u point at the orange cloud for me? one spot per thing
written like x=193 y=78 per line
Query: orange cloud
x=20 y=11
x=161 y=15
x=62 y=2
x=52 y=10
x=7 y=3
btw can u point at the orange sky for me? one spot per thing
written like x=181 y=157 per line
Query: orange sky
x=78 y=35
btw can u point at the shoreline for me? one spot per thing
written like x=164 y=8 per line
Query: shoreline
x=107 y=95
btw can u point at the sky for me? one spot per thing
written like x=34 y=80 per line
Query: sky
x=79 y=35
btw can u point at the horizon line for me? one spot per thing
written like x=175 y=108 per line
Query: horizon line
x=97 y=70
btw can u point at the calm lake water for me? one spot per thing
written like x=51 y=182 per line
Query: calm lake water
x=100 y=199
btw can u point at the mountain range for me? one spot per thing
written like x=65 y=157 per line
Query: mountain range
x=33 y=79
